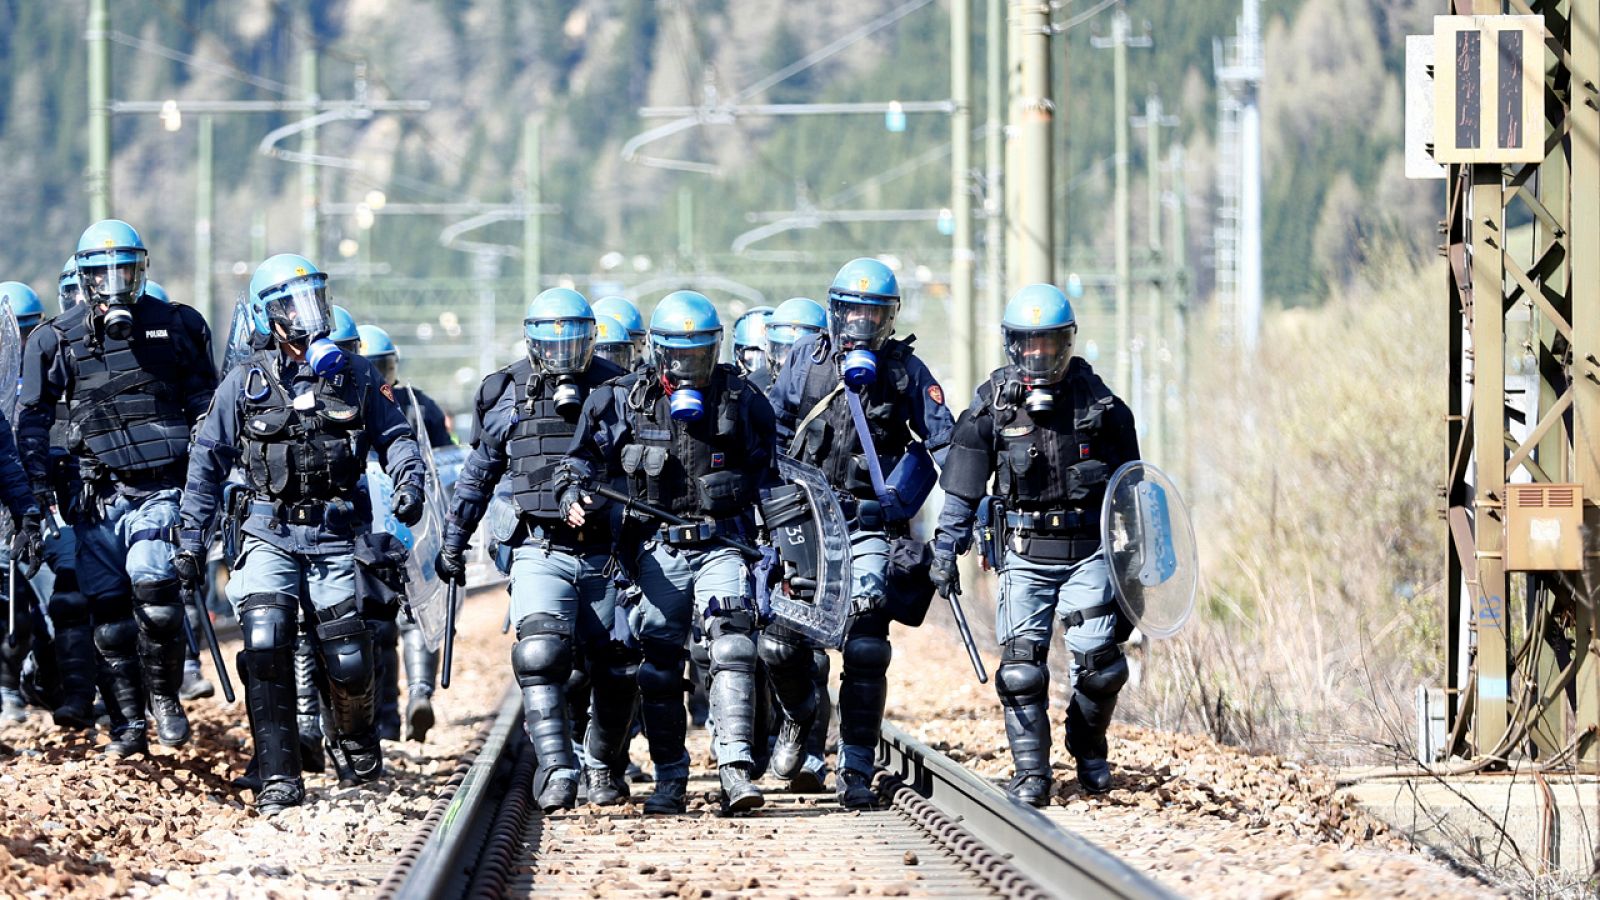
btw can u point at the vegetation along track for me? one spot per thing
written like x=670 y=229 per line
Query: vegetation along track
x=941 y=831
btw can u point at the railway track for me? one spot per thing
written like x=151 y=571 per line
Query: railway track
x=940 y=831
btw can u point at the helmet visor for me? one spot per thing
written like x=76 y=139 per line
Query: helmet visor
x=686 y=366
x=113 y=276
x=752 y=358
x=1041 y=356
x=560 y=346
x=857 y=323
x=619 y=354
x=300 y=309
x=69 y=293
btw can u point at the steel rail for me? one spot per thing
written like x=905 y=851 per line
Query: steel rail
x=444 y=864
x=1060 y=862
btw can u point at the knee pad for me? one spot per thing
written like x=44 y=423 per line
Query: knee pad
x=779 y=652
x=268 y=621
x=159 y=607
x=543 y=653
x=116 y=638
x=661 y=672
x=867 y=656
x=733 y=652
x=1106 y=681
x=68 y=609
x=347 y=654
x=1023 y=678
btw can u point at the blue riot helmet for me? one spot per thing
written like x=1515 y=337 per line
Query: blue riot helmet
x=375 y=344
x=154 y=289
x=685 y=337
x=1039 y=329
x=862 y=302
x=612 y=341
x=69 y=288
x=111 y=260
x=289 y=300
x=750 y=339
x=623 y=310
x=793 y=319
x=24 y=305
x=344 y=331
x=559 y=330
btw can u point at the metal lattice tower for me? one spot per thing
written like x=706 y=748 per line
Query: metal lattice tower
x=1238 y=65
x=1522 y=677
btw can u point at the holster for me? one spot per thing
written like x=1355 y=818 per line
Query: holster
x=380 y=575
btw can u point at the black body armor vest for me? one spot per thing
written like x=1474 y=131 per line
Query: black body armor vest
x=124 y=409
x=536 y=446
x=690 y=469
x=830 y=441
x=296 y=456
x=1054 y=460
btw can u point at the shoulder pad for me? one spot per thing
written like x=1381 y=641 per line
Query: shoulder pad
x=899 y=347
x=490 y=391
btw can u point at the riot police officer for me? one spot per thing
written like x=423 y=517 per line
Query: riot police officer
x=750 y=346
x=852 y=401
x=612 y=341
x=1050 y=433
x=297 y=417
x=135 y=375
x=692 y=438
x=345 y=335
x=69 y=288
x=380 y=350
x=794 y=318
x=623 y=310
x=563 y=596
x=421 y=664
x=25 y=549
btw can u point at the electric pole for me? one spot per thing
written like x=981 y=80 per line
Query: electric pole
x=204 y=210
x=532 y=235
x=964 y=343
x=1155 y=330
x=309 y=224
x=1036 y=113
x=1178 y=272
x=1119 y=42
x=994 y=208
x=98 y=175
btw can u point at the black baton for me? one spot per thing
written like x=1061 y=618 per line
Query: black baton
x=657 y=513
x=450 y=596
x=954 y=596
x=211 y=640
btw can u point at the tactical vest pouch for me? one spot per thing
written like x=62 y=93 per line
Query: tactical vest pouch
x=909 y=589
x=720 y=493
x=380 y=575
x=1083 y=479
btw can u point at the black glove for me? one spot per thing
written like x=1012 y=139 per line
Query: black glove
x=27 y=545
x=451 y=565
x=407 y=505
x=191 y=566
x=946 y=576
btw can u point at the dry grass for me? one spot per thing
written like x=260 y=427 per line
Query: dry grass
x=1314 y=472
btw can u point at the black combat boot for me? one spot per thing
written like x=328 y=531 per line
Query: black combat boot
x=791 y=673
x=269 y=699
x=604 y=787
x=668 y=798
x=122 y=687
x=159 y=610
x=855 y=790
x=76 y=660
x=738 y=794
x=1023 y=683
x=542 y=661
x=1099 y=677
x=422 y=666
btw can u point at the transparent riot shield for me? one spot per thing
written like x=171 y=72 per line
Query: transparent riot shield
x=426 y=593
x=824 y=615
x=241 y=328
x=10 y=363
x=1150 y=548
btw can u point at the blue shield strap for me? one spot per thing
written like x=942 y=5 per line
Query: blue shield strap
x=865 y=434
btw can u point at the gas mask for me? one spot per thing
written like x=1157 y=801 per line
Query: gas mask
x=568 y=397
x=859 y=368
